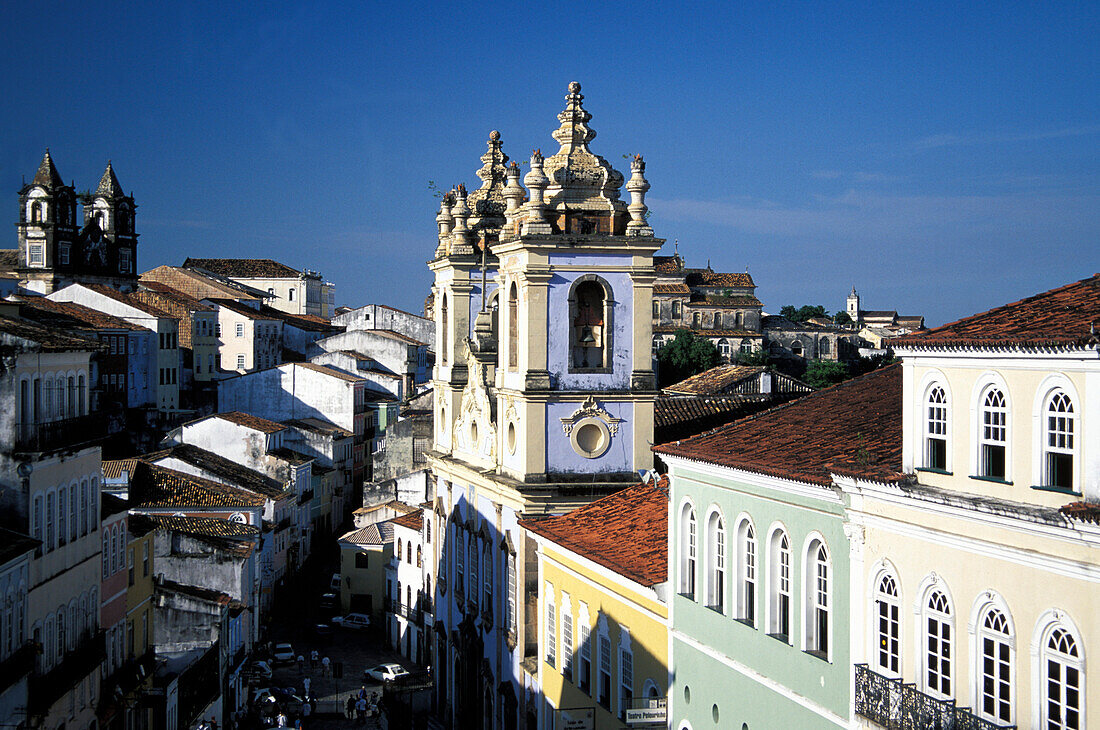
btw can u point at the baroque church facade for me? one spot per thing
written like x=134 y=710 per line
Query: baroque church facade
x=55 y=251
x=544 y=396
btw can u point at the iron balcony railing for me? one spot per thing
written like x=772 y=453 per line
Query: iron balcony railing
x=898 y=705
x=67 y=432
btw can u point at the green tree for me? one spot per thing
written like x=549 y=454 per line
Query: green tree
x=685 y=356
x=803 y=313
x=753 y=357
x=823 y=373
x=842 y=318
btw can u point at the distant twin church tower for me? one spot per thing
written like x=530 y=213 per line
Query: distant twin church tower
x=55 y=250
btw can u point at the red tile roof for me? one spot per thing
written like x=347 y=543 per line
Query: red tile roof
x=668 y=264
x=413 y=520
x=154 y=486
x=715 y=380
x=77 y=314
x=671 y=289
x=244 y=310
x=626 y=532
x=1060 y=318
x=852 y=428
x=244 y=268
x=249 y=421
x=1083 y=512
x=706 y=277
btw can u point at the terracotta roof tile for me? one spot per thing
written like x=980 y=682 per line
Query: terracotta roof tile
x=672 y=410
x=331 y=372
x=706 y=277
x=290 y=456
x=378 y=533
x=1059 y=318
x=321 y=426
x=668 y=264
x=112 y=293
x=671 y=289
x=222 y=468
x=853 y=428
x=307 y=322
x=203 y=594
x=718 y=300
x=49 y=339
x=154 y=486
x=244 y=268
x=73 y=315
x=1083 y=512
x=113 y=468
x=244 y=310
x=715 y=380
x=249 y=421
x=413 y=520
x=626 y=532
x=673 y=328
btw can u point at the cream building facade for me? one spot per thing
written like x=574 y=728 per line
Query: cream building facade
x=977 y=584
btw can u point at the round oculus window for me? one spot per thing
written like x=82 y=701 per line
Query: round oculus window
x=590 y=438
x=511 y=437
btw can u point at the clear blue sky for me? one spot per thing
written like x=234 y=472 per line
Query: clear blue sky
x=942 y=157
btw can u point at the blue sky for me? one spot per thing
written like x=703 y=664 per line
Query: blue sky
x=941 y=157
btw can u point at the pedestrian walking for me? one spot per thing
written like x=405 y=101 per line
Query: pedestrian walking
x=280 y=721
x=301 y=664
x=307 y=710
x=305 y=686
x=360 y=710
x=325 y=667
x=314 y=657
x=349 y=708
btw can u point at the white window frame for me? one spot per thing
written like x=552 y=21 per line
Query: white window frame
x=604 y=671
x=1042 y=655
x=748 y=561
x=925 y=614
x=989 y=604
x=584 y=638
x=1057 y=386
x=936 y=424
x=238 y=330
x=780 y=575
x=715 y=556
x=550 y=634
x=625 y=672
x=886 y=629
x=566 y=637
x=989 y=382
x=817 y=597
x=689 y=551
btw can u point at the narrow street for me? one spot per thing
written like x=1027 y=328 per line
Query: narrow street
x=294 y=620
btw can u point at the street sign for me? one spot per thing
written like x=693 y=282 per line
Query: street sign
x=575 y=718
x=647 y=714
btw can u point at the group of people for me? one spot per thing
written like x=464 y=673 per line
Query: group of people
x=362 y=705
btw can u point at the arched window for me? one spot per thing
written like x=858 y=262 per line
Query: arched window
x=796 y=348
x=779 y=593
x=716 y=563
x=935 y=429
x=36 y=212
x=513 y=326
x=888 y=626
x=823 y=346
x=460 y=567
x=409 y=552
x=419 y=557
x=938 y=641
x=1058 y=444
x=61 y=638
x=487 y=570
x=687 y=551
x=816 y=595
x=739 y=320
x=105 y=555
x=724 y=348
x=717 y=320
x=676 y=311
x=696 y=320
x=398 y=552
x=473 y=592
x=995 y=668
x=590 y=312
x=1062 y=681
x=656 y=309
x=993 y=434
x=746 y=346
x=746 y=573
x=443 y=339
x=62 y=516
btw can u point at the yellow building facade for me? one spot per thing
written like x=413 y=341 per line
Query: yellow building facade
x=977 y=583
x=603 y=612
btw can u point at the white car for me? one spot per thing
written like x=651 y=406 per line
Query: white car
x=358 y=621
x=284 y=653
x=385 y=672
x=260 y=670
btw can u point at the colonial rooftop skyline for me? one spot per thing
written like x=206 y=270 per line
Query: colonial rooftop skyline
x=819 y=149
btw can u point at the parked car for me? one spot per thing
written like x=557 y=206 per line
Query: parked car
x=259 y=670
x=322 y=631
x=385 y=672
x=328 y=600
x=334 y=584
x=283 y=654
x=358 y=621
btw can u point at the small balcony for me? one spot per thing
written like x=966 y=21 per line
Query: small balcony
x=898 y=705
x=65 y=433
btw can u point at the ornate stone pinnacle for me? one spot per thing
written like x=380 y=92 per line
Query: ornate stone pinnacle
x=637 y=186
x=537 y=182
x=487 y=203
x=460 y=236
x=513 y=194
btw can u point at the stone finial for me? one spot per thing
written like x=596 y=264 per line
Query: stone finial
x=574 y=132
x=537 y=182
x=637 y=187
x=486 y=204
x=460 y=234
x=513 y=194
x=444 y=220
